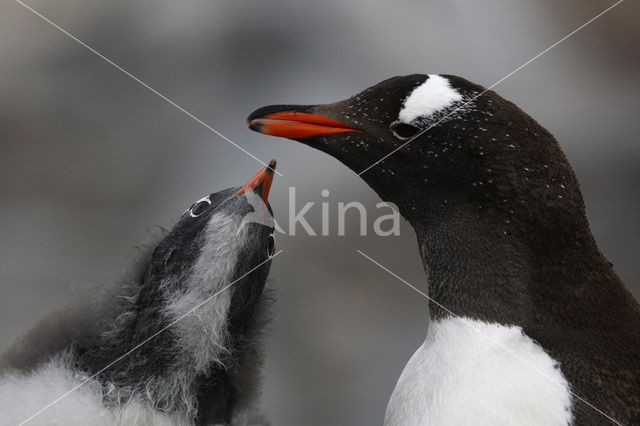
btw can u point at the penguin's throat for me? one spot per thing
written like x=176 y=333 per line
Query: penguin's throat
x=473 y=272
x=482 y=267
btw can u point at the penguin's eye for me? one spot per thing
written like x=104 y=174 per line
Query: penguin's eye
x=404 y=130
x=199 y=208
x=271 y=245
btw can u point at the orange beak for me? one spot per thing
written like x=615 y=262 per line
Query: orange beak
x=296 y=125
x=262 y=179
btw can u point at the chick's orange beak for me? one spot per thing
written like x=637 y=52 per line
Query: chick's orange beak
x=260 y=182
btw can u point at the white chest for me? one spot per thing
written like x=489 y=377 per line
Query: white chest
x=472 y=372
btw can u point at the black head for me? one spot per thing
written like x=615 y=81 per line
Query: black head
x=218 y=240
x=197 y=305
x=429 y=143
x=371 y=123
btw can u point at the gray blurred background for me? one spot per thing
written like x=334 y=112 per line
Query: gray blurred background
x=90 y=160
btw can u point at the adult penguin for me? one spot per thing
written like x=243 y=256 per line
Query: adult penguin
x=529 y=322
x=174 y=342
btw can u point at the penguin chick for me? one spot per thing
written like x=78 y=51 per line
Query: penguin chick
x=151 y=352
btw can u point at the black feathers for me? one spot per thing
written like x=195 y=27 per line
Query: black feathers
x=501 y=226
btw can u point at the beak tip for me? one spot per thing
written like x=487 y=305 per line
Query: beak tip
x=256 y=127
x=260 y=182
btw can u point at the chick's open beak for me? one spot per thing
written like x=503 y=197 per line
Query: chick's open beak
x=260 y=182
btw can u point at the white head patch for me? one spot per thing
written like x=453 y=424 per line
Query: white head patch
x=432 y=96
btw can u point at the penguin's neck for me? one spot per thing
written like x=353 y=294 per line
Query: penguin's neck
x=485 y=267
x=472 y=270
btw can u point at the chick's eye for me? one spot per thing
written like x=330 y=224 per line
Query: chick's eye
x=271 y=245
x=404 y=130
x=199 y=208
